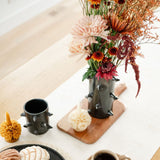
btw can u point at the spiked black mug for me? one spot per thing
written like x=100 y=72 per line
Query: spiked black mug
x=36 y=113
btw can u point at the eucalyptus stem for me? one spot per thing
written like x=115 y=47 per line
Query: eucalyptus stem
x=119 y=62
x=87 y=12
x=83 y=6
x=101 y=8
x=114 y=58
x=95 y=66
x=106 y=7
x=122 y=9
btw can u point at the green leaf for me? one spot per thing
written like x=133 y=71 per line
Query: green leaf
x=110 y=45
x=92 y=47
x=89 y=74
x=98 y=39
x=85 y=76
x=95 y=47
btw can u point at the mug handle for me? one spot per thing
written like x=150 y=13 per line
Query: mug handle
x=123 y=157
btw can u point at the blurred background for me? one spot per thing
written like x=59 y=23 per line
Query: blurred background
x=16 y=12
x=34 y=56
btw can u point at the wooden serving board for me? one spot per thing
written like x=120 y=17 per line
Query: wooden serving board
x=98 y=126
x=156 y=156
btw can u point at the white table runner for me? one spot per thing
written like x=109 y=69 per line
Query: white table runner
x=136 y=133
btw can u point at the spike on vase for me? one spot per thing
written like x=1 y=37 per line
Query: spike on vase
x=23 y=114
x=50 y=114
x=90 y=95
x=113 y=96
x=49 y=127
x=98 y=106
x=27 y=125
x=110 y=113
x=116 y=79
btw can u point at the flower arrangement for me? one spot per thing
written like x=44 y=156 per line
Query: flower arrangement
x=110 y=32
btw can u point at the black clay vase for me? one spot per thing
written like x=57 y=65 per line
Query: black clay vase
x=101 y=97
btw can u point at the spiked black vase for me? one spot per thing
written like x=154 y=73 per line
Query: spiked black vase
x=101 y=97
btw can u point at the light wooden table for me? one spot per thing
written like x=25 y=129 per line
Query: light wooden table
x=34 y=57
x=37 y=78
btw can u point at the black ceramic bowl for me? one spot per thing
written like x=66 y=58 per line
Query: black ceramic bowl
x=53 y=154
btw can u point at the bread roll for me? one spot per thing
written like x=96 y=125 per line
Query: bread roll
x=10 y=154
x=34 y=153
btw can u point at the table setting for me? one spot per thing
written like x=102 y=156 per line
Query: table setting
x=114 y=113
x=130 y=135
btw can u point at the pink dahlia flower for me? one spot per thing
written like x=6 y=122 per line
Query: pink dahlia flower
x=106 y=71
x=90 y=27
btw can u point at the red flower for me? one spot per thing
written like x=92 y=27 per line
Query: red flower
x=113 y=51
x=98 y=56
x=107 y=60
x=120 y=1
x=107 y=3
x=106 y=71
x=103 y=40
x=88 y=57
x=95 y=6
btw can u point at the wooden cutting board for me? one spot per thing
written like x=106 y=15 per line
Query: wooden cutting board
x=156 y=156
x=98 y=126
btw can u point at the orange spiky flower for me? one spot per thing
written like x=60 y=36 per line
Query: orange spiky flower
x=135 y=14
x=116 y=24
x=127 y=26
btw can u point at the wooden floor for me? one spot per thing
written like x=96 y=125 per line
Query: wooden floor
x=33 y=59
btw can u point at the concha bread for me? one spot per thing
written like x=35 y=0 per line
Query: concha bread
x=10 y=154
x=34 y=153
